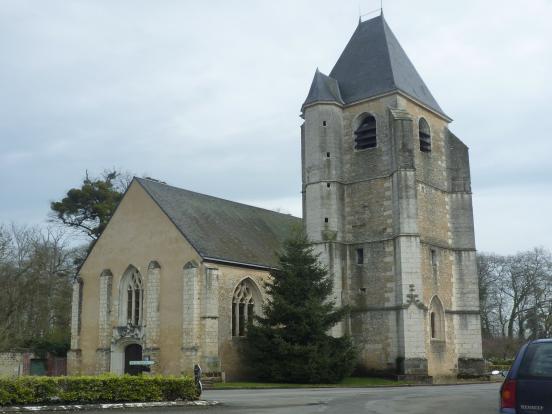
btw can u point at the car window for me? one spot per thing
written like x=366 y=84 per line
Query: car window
x=537 y=361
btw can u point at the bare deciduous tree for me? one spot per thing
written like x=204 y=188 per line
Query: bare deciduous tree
x=516 y=295
x=36 y=268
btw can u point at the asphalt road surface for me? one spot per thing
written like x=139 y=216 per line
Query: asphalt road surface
x=450 y=399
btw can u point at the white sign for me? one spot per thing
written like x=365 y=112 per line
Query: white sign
x=141 y=362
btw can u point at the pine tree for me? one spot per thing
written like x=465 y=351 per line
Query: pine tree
x=290 y=343
x=89 y=208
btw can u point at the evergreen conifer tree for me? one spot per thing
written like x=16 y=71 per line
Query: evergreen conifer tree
x=290 y=343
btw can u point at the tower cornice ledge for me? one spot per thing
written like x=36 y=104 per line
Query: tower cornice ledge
x=399 y=113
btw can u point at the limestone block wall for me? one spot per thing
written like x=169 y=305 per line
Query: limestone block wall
x=326 y=221
x=191 y=326
x=11 y=364
x=232 y=365
x=76 y=310
x=466 y=318
x=372 y=162
x=74 y=355
x=210 y=319
x=433 y=215
x=103 y=352
x=461 y=220
x=368 y=210
x=374 y=334
x=323 y=173
x=467 y=335
x=333 y=256
x=372 y=284
x=412 y=332
x=381 y=208
x=151 y=317
x=322 y=131
x=138 y=233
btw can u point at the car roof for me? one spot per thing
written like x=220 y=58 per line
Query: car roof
x=544 y=340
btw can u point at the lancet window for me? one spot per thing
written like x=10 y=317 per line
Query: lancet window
x=425 y=135
x=133 y=297
x=243 y=308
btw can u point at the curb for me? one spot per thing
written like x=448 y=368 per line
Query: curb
x=84 y=407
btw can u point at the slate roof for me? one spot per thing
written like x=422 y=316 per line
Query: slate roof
x=223 y=230
x=323 y=89
x=374 y=63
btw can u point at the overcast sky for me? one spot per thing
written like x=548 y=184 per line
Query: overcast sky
x=206 y=95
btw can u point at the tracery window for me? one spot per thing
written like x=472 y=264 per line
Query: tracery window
x=425 y=135
x=133 y=296
x=365 y=134
x=243 y=308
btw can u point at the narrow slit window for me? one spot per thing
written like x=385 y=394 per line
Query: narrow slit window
x=360 y=256
x=425 y=135
x=366 y=134
x=327 y=155
x=325 y=219
x=433 y=327
x=328 y=185
x=324 y=123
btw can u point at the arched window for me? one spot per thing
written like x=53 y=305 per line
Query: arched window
x=132 y=297
x=365 y=134
x=425 y=135
x=243 y=307
x=437 y=320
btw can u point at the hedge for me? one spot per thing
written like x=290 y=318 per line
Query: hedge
x=95 y=389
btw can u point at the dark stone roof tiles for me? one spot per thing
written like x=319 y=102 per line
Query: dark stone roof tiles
x=323 y=89
x=223 y=230
x=374 y=63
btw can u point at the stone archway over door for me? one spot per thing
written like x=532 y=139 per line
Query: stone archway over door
x=133 y=352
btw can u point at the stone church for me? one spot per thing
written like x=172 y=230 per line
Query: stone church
x=176 y=275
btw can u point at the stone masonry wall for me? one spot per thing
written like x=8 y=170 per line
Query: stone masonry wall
x=11 y=364
x=232 y=365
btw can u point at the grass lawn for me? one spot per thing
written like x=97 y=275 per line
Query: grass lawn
x=347 y=382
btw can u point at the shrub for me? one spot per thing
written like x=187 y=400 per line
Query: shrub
x=97 y=389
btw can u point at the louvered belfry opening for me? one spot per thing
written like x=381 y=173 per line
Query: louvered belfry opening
x=365 y=135
x=425 y=136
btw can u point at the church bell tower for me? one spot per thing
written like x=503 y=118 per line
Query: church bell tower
x=387 y=203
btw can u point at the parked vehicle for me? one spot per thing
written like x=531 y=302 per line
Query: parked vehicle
x=527 y=388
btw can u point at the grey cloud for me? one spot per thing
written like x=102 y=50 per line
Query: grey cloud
x=206 y=96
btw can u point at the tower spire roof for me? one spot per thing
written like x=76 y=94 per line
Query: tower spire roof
x=323 y=89
x=374 y=63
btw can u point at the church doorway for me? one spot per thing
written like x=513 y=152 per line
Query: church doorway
x=133 y=352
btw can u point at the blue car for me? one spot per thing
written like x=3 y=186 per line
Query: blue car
x=527 y=388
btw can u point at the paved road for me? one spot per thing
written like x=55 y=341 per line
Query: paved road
x=453 y=399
